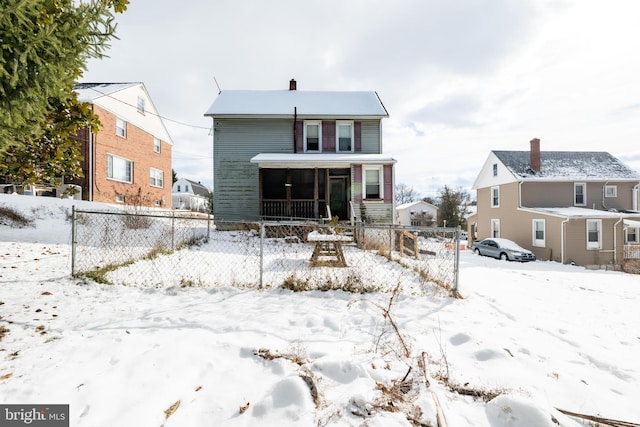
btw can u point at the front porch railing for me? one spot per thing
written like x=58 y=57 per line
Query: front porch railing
x=631 y=251
x=285 y=209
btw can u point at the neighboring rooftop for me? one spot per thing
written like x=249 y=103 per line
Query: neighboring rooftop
x=87 y=92
x=572 y=165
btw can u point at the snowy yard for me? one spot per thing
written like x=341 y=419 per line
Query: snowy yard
x=537 y=336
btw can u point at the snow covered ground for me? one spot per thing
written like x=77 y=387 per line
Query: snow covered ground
x=537 y=336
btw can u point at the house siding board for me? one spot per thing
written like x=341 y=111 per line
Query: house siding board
x=388 y=183
x=560 y=194
x=370 y=138
x=329 y=135
x=236 y=178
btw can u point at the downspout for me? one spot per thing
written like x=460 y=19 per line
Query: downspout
x=295 y=119
x=562 y=243
x=602 y=202
x=91 y=165
x=615 y=241
x=634 y=197
x=520 y=194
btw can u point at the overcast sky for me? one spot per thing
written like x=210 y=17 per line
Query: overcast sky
x=459 y=78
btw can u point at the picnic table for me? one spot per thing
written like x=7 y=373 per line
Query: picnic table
x=327 y=246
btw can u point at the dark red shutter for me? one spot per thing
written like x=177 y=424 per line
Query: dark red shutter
x=388 y=183
x=329 y=136
x=357 y=179
x=357 y=135
x=299 y=137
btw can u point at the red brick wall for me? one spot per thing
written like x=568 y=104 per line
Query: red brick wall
x=137 y=147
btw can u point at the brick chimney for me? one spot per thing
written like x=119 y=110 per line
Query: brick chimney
x=292 y=84
x=535 y=155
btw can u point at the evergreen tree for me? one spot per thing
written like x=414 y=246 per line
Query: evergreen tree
x=453 y=207
x=44 y=47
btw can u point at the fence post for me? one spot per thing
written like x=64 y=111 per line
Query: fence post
x=457 y=263
x=261 y=252
x=209 y=218
x=173 y=230
x=73 y=240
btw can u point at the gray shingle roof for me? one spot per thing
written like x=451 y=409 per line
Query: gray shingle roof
x=198 y=189
x=569 y=165
x=306 y=103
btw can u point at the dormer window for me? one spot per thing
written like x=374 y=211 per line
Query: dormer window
x=344 y=134
x=312 y=136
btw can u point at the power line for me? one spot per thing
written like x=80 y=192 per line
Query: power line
x=152 y=113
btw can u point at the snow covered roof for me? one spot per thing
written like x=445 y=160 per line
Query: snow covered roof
x=631 y=223
x=567 y=165
x=576 y=212
x=413 y=204
x=319 y=160
x=88 y=92
x=198 y=189
x=283 y=103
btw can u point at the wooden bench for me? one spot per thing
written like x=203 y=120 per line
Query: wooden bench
x=327 y=246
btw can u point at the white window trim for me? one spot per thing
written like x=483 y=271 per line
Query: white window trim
x=140 y=105
x=584 y=193
x=495 y=169
x=353 y=140
x=541 y=243
x=495 y=226
x=610 y=191
x=121 y=158
x=594 y=245
x=123 y=133
x=119 y=198
x=626 y=235
x=380 y=180
x=154 y=177
x=304 y=135
x=157 y=145
x=498 y=204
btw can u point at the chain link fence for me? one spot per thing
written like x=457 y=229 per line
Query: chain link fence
x=169 y=249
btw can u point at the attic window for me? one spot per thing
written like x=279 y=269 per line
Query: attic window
x=140 y=105
x=495 y=169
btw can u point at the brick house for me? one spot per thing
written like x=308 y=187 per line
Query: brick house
x=129 y=160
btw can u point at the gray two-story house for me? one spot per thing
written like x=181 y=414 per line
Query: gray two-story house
x=290 y=154
x=570 y=207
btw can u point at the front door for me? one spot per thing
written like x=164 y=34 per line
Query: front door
x=338 y=201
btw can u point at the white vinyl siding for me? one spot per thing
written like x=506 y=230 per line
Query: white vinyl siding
x=119 y=169
x=157 y=178
x=594 y=234
x=538 y=231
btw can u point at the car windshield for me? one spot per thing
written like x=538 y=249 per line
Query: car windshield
x=508 y=244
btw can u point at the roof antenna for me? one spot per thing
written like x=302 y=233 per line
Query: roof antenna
x=219 y=90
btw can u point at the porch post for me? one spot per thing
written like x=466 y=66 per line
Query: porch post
x=316 y=194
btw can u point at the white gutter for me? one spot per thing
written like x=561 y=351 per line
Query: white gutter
x=562 y=232
x=615 y=241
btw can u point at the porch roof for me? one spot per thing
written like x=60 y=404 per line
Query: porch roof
x=318 y=160
x=632 y=224
x=577 y=212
